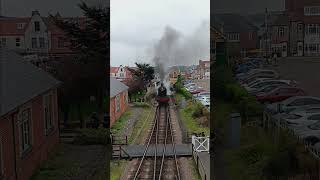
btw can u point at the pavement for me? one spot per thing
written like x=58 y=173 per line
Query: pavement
x=135 y=151
x=304 y=70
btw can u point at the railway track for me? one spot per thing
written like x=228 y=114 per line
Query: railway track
x=159 y=166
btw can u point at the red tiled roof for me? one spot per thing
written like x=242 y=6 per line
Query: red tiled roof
x=114 y=69
x=8 y=26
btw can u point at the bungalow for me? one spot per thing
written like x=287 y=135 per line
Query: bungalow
x=28 y=117
x=118 y=99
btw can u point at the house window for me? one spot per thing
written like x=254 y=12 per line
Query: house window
x=20 y=25
x=118 y=103
x=3 y=42
x=17 y=42
x=300 y=27
x=41 y=42
x=234 y=36
x=312 y=10
x=25 y=121
x=60 y=42
x=34 y=43
x=312 y=29
x=37 y=26
x=48 y=113
x=125 y=96
x=281 y=31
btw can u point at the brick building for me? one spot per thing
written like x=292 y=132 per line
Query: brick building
x=28 y=117
x=118 y=99
x=36 y=35
x=242 y=35
x=121 y=73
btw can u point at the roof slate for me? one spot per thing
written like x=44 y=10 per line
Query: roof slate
x=20 y=81
x=116 y=87
x=232 y=23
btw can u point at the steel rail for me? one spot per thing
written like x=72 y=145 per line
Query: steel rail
x=174 y=148
x=148 y=144
x=165 y=143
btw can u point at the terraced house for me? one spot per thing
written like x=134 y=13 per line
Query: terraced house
x=28 y=116
x=36 y=36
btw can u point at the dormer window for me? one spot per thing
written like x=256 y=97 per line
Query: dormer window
x=20 y=25
x=37 y=26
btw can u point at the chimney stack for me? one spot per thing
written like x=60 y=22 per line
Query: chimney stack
x=35 y=12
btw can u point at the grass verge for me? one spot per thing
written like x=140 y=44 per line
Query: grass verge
x=116 y=168
x=192 y=124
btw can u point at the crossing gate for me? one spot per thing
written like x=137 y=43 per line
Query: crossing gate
x=200 y=144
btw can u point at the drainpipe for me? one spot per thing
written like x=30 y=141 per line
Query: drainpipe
x=14 y=146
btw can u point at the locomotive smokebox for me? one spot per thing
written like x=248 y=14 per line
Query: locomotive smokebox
x=162 y=91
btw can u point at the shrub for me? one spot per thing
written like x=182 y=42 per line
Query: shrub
x=197 y=111
x=235 y=93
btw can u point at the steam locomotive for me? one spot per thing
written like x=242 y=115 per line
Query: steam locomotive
x=162 y=96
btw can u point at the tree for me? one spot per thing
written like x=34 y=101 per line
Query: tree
x=144 y=72
x=89 y=44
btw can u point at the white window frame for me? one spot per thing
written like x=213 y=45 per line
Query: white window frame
x=18 y=42
x=312 y=10
x=21 y=129
x=48 y=123
x=118 y=103
x=281 y=31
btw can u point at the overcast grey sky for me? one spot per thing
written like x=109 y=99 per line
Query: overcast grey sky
x=137 y=25
x=25 y=7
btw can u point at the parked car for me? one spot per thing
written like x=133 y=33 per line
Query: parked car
x=197 y=90
x=269 y=88
x=295 y=120
x=189 y=85
x=292 y=103
x=246 y=67
x=255 y=72
x=310 y=133
x=255 y=82
x=279 y=94
x=205 y=101
x=252 y=78
x=258 y=86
